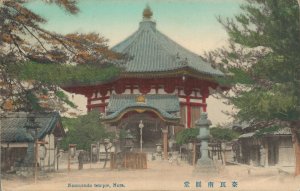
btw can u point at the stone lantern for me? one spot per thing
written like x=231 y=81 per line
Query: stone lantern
x=31 y=125
x=205 y=165
x=128 y=142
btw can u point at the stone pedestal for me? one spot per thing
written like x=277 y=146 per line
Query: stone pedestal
x=205 y=165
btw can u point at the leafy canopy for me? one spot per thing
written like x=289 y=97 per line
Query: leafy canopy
x=84 y=131
x=263 y=60
x=223 y=134
x=220 y=134
x=34 y=61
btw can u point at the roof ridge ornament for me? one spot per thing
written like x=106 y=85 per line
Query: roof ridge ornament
x=147 y=13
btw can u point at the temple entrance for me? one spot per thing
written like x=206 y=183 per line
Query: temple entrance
x=155 y=113
x=151 y=132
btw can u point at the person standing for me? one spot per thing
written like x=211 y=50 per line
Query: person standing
x=80 y=160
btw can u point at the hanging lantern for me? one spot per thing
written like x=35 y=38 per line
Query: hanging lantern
x=128 y=141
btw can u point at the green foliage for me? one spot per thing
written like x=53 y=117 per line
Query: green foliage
x=63 y=74
x=31 y=79
x=268 y=23
x=262 y=104
x=34 y=59
x=264 y=59
x=84 y=130
x=33 y=101
x=62 y=96
x=123 y=133
x=223 y=134
x=241 y=76
x=186 y=135
x=264 y=131
x=238 y=76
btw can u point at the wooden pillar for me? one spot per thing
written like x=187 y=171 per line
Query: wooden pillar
x=156 y=89
x=36 y=159
x=204 y=104
x=69 y=155
x=204 y=94
x=194 y=153
x=131 y=89
x=102 y=109
x=267 y=154
x=88 y=104
x=49 y=151
x=296 y=145
x=69 y=161
x=57 y=154
x=297 y=160
x=165 y=142
x=223 y=152
x=189 y=114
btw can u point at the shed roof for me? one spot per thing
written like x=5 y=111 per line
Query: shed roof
x=13 y=126
x=280 y=131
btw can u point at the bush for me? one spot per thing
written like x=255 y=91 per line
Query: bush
x=84 y=131
x=223 y=134
x=186 y=135
x=220 y=134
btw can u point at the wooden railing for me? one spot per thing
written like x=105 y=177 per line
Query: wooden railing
x=128 y=160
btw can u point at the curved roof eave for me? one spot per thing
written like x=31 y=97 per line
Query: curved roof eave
x=122 y=111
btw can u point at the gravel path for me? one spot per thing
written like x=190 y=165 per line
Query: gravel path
x=160 y=175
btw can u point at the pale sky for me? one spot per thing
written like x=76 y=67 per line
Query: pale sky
x=191 y=23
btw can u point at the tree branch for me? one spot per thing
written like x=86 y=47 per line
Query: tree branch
x=35 y=37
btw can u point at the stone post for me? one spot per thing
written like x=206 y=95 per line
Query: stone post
x=165 y=142
x=223 y=148
x=262 y=154
x=266 y=154
x=205 y=165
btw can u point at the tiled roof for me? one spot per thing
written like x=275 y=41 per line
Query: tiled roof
x=281 y=131
x=151 y=51
x=247 y=135
x=166 y=105
x=13 y=126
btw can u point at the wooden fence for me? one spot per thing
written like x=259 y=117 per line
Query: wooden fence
x=128 y=160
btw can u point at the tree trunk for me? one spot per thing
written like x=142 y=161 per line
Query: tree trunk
x=296 y=142
x=106 y=157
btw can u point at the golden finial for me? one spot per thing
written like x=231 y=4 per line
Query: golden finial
x=147 y=14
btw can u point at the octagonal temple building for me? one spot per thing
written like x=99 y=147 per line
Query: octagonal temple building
x=163 y=85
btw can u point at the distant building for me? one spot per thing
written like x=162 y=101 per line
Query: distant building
x=265 y=148
x=18 y=137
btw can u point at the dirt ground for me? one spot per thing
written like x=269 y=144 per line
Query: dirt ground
x=160 y=175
